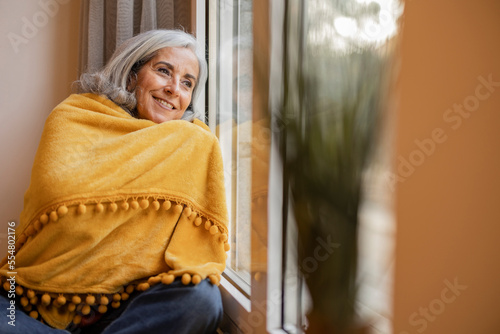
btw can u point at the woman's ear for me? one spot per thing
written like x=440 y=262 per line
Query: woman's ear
x=131 y=82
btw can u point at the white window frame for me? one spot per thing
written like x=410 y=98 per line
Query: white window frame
x=260 y=311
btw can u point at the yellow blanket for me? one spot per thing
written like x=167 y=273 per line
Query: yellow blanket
x=115 y=204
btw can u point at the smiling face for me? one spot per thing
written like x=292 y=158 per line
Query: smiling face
x=164 y=84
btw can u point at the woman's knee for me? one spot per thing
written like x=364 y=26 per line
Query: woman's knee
x=206 y=299
x=180 y=308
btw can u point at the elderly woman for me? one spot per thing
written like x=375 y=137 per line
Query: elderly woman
x=124 y=226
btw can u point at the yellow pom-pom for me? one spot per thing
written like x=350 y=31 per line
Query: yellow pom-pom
x=113 y=207
x=154 y=280
x=104 y=300
x=115 y=304
x=117 y=297
x=125 y=296
x=167 y=279
x=178 y=209
x=62 y=210
x=187 y=211
x=214 y=229
x=19 y=290
x=144 y=203
x=208 y=224
x=196 y=279
x=193 y=215
x=186 y=279
x=55 y=303
x=34 y=300
x=44 y=219
x=30 y=231
x=34 y=314
x=166 y=205
x=102 y=309
x=77 y=319
x=197 y=221
x=76 y=299
x=46 y=299
x=85 y=309
x=213 y=279
x=6 y=286
x=61 y=300
x=142 y=287
x=28 y=307
x=223 y=237
x=24 y=301
x=90 y=299
x=37 y=225
x=124 y=205
x=134 y=204
x=71 y=307
x=129 y=289
x=99 y=208
x=81 y=209
x=30 y=293
x=226 y=247
x=22 y=239
x=53 y=216
x=156 y=205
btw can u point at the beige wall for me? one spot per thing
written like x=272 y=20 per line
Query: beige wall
x=39 y=59
x=448 y=207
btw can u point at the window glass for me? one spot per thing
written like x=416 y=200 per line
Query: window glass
x=233 y=114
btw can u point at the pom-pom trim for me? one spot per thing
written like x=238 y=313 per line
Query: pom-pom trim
x=111 y=206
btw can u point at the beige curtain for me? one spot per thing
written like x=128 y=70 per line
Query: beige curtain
x=107 y=23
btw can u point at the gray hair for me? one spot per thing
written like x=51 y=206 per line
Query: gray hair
x=112 y=80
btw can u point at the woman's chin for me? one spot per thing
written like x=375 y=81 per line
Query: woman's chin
x=161 y=117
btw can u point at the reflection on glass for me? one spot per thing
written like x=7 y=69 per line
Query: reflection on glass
x=234 y=128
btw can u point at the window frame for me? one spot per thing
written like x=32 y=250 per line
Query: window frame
x=261 y=310
x=258 y=311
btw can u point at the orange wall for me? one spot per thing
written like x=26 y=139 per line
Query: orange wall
x=448 y=202
x=39 y=60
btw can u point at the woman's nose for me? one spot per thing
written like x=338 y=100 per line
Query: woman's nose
x=172 y=86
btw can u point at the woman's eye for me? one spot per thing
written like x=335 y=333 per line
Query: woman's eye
x=164 y=70
x=188 y=83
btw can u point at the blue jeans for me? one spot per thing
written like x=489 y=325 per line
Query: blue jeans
x=173 y=308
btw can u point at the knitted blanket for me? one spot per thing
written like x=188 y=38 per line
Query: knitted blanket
x=116 y=204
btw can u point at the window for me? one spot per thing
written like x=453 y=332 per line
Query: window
x=263 y=288
x=253 y=303
x=230 y=106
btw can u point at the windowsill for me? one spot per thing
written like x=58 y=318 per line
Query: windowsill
x=236 y=306
x=233 y=298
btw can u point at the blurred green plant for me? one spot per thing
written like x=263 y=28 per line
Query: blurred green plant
x=330 y=113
